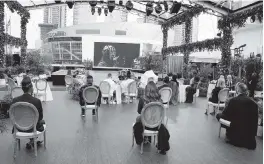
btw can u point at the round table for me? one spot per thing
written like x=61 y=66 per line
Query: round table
x=182 y=94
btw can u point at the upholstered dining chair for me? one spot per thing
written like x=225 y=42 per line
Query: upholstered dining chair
x=151 y=116
x=68 y=81
x=166 y=93
x=105 y=88
x=11 y=84
x=132 y=91
x=90 y=96
x=223 y=95
x=41 y=88
x=24 y=116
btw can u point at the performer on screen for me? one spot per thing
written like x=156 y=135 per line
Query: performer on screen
x=109 y=58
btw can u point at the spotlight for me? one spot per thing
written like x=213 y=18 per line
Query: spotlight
x=101 y=1
x=111 y=6
x=175 y=7
x=99 y=11
x=166 y=7
x=105 y=11
x=129 y=5
x=252 y=19
x=219 y=34
x=158 y=8
x=93 y=10
x=149 y=8
x=93 y=3
x=121 y=3
x=70 y=4
x=57 y=1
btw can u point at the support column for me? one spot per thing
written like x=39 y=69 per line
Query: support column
x=226 y=50
x=165 y=43
x=2 y=35
x=23 y=34
x=188 y=31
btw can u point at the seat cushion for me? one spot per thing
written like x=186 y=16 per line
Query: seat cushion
x=26 y=135
x=105 y=95
x=150 y=132
x=91 y=106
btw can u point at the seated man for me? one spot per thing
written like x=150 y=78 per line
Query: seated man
x=27 y=88
x=82 y=102
x=112 y=85
x=242 y=112
x=166 y=82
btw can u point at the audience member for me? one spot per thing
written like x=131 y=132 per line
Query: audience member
x=151 y=95
x=89 y=83
x=27 y=88
x=242 y=112
x=124 y=84
x=214 y=96
x=190 y=91
x=174 y=85
x=112 y=85
x=166 y=82
x=252 y=84
x=229 y=83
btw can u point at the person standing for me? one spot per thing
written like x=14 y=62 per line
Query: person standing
x=252 y=84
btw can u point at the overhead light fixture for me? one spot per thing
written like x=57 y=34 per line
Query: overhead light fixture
x=93 y=3
x=175 y=7
x=111 y=6
x=99 y=11
x=149 y=8
x=102 y=1
x=158 y=8
x=57 y=1
x=252 y=19
x=93 y=10
x=166 y=7
x=70 y=4
x=129 y=5
x=121 y=3
x=105 y=11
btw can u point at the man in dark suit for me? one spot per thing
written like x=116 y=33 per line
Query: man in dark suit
x=82 y=102
x=166 y=82
x=27 y=88
x=242 y=112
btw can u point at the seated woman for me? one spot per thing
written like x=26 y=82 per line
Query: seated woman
x=229 y=83
x=191 y=90
x=214 y=96
x=151 y=95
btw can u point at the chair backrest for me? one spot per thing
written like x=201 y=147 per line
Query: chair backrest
x=132 y=87
x=17 y=91
x=90 y=94
x=152 y=114
x=223 y=95
x=68 y=79
x=41 y=84
x=165 y=93
x=24 y=116
x=105 y=87
x=11 y=83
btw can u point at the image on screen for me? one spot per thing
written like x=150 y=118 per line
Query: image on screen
x=107 y=54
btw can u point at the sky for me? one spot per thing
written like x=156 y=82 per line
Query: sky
x=207 y=25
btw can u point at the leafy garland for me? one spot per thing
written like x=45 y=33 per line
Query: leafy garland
x=227 y=23
x=209 y=44
x=25 y=15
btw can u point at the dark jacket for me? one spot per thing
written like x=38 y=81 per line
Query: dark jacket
x=242 y=112
x=163 y=136
x=82 y=102
x=37 y=103
x=190 y=91
x=214 y=98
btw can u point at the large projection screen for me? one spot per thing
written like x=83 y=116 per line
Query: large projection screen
x=109 y=54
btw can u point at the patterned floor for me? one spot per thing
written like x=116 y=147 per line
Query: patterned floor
x=73 y=140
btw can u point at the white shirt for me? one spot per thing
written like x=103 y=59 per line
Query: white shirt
x=112 y=85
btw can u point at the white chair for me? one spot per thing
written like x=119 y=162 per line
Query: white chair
x=132 y=91
x=105 y=88
x=166 y=93
x=223 y=123
x=151 y=116
x=90 y=96
x=222 y=97
x=24 y=116
x=41 y=87
x=11 y=84
x=68 y=81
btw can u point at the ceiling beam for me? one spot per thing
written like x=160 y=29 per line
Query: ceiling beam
x=258 y=3
x=212 y=7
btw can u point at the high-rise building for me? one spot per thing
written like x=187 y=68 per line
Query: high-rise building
x=45 y=29
x=56 y=15
x=179 y=32
x=82 y=14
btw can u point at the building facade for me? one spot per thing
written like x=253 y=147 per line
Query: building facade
x=82 y=14
x=56 y=15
